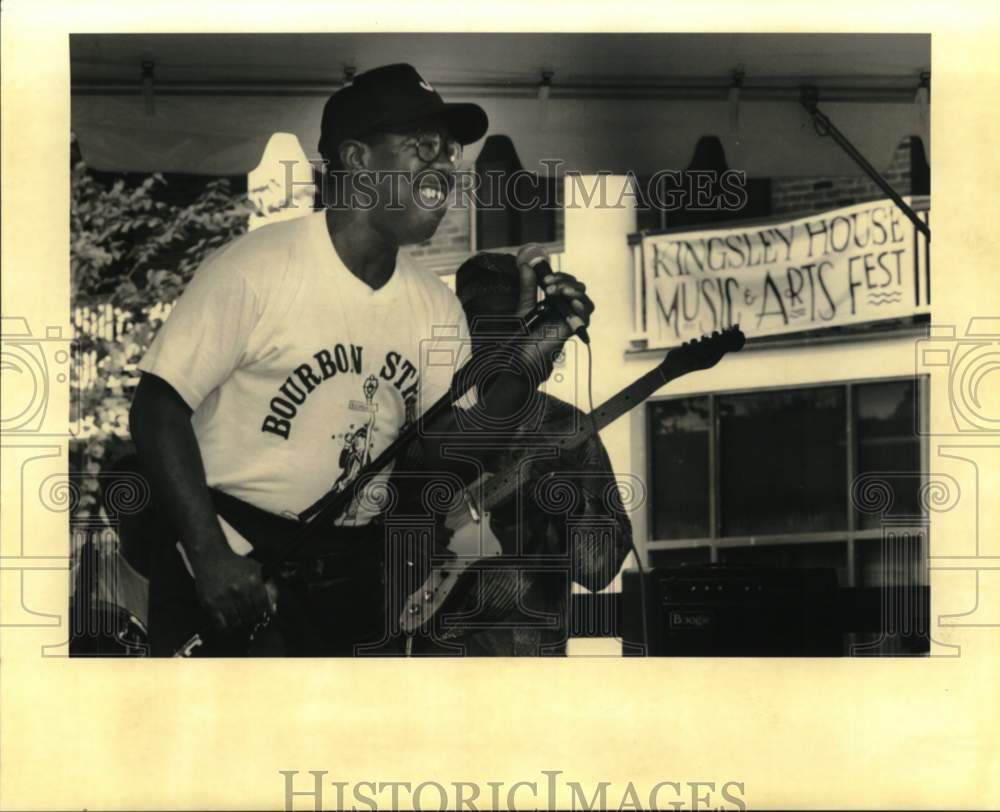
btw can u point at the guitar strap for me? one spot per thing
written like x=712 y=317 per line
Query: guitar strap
x=269 y=533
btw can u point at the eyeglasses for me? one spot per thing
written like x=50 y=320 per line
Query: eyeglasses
x=431 y=145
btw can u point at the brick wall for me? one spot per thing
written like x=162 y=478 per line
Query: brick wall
x=809 y=195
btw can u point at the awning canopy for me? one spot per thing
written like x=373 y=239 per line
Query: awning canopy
x=640 y=102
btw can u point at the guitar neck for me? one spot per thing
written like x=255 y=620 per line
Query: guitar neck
x=626 y=400
x=503 y=485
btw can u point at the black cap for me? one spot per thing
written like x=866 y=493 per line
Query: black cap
x=389 y=96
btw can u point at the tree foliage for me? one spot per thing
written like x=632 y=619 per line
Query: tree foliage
x=135 y=250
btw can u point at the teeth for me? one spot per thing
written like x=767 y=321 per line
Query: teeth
x=432 y=194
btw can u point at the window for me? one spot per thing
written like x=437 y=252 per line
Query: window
x=888 y=443
x=783 y=466
x=678 y=431
x=765 y=477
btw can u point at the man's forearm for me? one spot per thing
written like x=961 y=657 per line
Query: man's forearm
x=171 y=459
x=597 y=557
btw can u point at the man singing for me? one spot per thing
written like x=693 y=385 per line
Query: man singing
x=294 y=355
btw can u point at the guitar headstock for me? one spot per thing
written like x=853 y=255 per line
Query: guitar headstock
x=704 y=352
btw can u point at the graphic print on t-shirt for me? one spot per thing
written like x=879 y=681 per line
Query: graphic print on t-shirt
x=306 y=378
x=284 y=407
x=357 y=450
x=359 y=437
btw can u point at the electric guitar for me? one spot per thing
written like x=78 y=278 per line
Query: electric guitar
x=472 y=538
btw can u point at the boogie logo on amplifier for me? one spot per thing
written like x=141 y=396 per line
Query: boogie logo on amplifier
x=692 y=619
x=721 y=611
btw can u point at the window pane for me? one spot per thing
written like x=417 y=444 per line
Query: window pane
x=678 y=431
x=825 y=554
x=783 y=461
x=888 y=445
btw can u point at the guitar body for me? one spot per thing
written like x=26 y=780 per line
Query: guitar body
x=472 y=539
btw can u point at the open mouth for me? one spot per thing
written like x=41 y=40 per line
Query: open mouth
x=432 y=191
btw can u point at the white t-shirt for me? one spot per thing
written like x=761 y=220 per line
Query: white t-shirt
x=299 y=373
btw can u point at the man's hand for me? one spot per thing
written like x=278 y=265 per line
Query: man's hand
x=568 y=287
x=231 y=591
x=532 y=261
x=508 y=375
x=552 y=331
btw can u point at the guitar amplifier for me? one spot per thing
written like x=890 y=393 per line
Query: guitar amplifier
x=728 y=611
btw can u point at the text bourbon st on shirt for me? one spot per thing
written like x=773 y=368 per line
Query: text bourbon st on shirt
x=327 y=364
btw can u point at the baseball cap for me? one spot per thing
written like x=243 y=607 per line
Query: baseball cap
x=389 y=96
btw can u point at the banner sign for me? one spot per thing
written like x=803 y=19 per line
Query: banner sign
x=847 y=266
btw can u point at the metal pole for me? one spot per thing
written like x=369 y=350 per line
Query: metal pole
x=826 y=127
x=679 y=89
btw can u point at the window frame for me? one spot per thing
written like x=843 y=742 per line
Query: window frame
x=852 y=535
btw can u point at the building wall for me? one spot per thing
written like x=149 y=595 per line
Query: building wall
x=596 y=250
x=802 y=196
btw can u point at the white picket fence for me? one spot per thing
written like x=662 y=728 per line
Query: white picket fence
x=107 y=322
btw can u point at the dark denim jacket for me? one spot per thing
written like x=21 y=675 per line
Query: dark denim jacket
x=567 y=525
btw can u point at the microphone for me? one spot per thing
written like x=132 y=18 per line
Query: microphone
x=535 y=257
